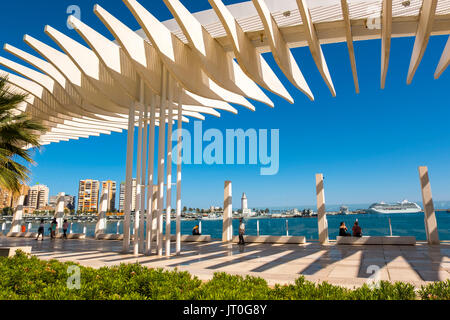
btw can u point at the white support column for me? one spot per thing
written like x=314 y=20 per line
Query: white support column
x=128 y=181
x=227 y=235
x=18 y=215
x=428 y=207
x=143 y=177
x=321 y=213
x=155 y=216
x=169 y=167
x=150 y=180
x=59 y=214
x=138 y=185
x=180 y=128
x=161 y=160
x=100 y=228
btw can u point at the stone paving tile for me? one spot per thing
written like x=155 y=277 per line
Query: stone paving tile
x=403 y=274
x=337 y=264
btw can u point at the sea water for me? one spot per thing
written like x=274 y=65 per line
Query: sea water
x=408 y=224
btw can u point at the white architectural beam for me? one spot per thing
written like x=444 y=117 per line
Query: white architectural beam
x=314 y=45
x=349 y=37
x=280 y=49
x=250 y=60
x=423 y=33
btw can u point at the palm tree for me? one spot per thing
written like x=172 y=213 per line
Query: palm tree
x=17 y=131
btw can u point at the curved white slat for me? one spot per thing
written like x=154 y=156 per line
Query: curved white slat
x=89 y=64
x=280 y=50
x=179 y=59
x=146 y=62
x=219 y=65
x=314 y=45
x=444 y=61
x=386 y=35
x=66 y=66
x=65 y=84
x=251 y=61
x=349 y=37
x=423 y=33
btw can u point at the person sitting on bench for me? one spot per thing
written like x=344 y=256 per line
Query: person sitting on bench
x=196 y=231
x=343 y=230
x=357 y=231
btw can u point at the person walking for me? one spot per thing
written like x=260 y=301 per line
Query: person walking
x=241 y=231
x=41 y=230
x=53 y=228
x=65 y=228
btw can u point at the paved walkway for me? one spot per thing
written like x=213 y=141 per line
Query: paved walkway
x=342 y=265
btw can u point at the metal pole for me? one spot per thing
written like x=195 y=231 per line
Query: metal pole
x=161 y=160
x=143 y=176
x=257 y=228
x=150 y=180
x=128 y=181
x=287 y=227
x=169 y=168
x=179 y=148
x=138 y=185
x=390 y=227
x=200 y=227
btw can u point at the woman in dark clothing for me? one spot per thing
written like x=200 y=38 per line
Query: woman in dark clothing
x=343 y=230
x=357 y=231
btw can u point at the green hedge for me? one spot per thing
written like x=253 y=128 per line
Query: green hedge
x=24 y=277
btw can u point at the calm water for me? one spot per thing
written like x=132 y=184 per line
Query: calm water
x=372 y=224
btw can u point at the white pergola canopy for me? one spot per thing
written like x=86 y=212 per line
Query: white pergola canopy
x=214 y=55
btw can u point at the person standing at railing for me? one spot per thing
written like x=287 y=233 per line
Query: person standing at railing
x=241 y=231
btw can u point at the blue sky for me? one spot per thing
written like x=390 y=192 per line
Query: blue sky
x=368 y=146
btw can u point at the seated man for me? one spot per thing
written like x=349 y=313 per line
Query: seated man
x=343 y=230
x=196 y=231
x=357 y=231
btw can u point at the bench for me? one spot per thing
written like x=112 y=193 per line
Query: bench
x=273 y=239
x=377 y=240
x=22 y=234
x=184 y=238
x=189 y=238
x=109 y=236
x=73 y=236
x=11 y=251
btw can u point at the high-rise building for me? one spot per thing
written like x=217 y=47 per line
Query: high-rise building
x=69 y=202
x=9 y=200
x=37 y=197
x=122 y=196
x=88 y=195
x=110 y=187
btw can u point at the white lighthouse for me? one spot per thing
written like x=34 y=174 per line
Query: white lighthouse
x=244 y=206
x=246 y=212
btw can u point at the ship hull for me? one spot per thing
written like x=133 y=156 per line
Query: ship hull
x=394 y=211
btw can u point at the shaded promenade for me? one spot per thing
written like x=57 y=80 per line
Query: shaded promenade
x=342 y=265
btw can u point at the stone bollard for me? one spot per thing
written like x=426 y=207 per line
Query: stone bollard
x=257 y=228
x=71 y=227
x=118 y=226
x=200 y=227
x=84 y=229
x=3 y=226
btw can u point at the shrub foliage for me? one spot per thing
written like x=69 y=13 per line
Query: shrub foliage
x=27 y=278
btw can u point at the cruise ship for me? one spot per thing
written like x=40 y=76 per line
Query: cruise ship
x=401 y=207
